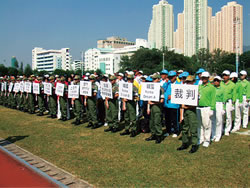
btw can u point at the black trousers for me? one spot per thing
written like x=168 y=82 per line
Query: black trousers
x=172 y=117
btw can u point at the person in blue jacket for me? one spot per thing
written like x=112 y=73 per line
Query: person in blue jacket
x=172 y=114
x=198 y=79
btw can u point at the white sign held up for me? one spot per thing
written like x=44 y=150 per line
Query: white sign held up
x=36 y=88
x=73 y=91
x=86 y=88
x=27 y=87
x=21 y=87
x=106 y=90
x=3 y=86
x=10 y=87
x=59 y=89
x=184 y=94
x=150 y=92
x=16 y=87
x=126 y=90
x=47 y=88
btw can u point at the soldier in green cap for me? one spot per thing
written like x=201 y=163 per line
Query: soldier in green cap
x=77 y=103
x=40 y=97
x=52 y=99
x=63 y=99
x=31 y=102
x=17 y=95
x=155 y=111
x=112 y=107
x=25 y=97
x=190 y=124
x=129 y=106
x=11 y=94
x=1 y=91
x=90 y=104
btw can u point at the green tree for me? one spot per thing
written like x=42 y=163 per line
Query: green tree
x=3 y=70
x=20 y=70
x=12 y=71
x=28 y=71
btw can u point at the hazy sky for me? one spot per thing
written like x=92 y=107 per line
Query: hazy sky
x=78 y=24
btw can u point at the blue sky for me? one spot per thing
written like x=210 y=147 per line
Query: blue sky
x=78 y=24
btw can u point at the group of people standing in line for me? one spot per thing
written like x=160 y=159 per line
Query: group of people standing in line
x=204 y=123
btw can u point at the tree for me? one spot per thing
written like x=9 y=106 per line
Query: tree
x=20 y=70
x=3 y=70
x=12 y=71
x=28 y=71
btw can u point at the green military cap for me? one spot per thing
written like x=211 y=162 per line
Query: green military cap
x=77 y=77
x=30 y=79
x=25 y=79
x=156 y=76
x=8 y=79
x=190 y=78
x=51 y=78
x=39 y=78
x=1 y=78
x=130 y=76
x=92 y=77
x=62 y=79
x=32 y=75
x=112 y=77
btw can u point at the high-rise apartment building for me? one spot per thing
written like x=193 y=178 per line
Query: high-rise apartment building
x=49 y=60
x=179 y=34
x=161 y=29
x=195 y=26
x=227 y=29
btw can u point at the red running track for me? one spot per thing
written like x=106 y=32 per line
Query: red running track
x=15 y=174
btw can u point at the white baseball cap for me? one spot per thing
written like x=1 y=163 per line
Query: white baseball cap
x=226 y=72
x=121 y=74
x=217 y=78
x=180 y=71
x=233 y=75
x=140 y=71
x=243 y=72
x=87 y=74
x=205 y=74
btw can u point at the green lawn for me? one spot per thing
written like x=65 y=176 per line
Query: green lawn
x=107 y=159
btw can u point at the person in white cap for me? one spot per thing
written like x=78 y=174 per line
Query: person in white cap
x=229 y=87
x=205 y=109
x=217 y=119
x=246 y=96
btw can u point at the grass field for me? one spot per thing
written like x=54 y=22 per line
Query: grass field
x=109 y=160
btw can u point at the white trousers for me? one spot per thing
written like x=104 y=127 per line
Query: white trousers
x=217 y=121
x=228 y=125
x=238 y=111
x=245 y=106
x=205 y=124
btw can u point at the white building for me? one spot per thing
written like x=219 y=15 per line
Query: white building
x=161 y=29
x=195 y=26
x=109 y=63
x=76 y=65
x=49 y=60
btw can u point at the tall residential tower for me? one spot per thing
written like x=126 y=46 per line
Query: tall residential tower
x=195 y=26
x=161 y=29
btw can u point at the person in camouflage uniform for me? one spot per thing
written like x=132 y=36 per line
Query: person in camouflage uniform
x=1 y=90
x=112 y=107
x=155 y=111
x=25 y=98
x=40 y=97
x=129 y=107
x=18 y=94
x=31 y=102
x=90 y=103
x=52 y=99
x=63 y=99
x=77 y=104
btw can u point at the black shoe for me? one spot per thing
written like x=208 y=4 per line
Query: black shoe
x=32 y=112
x=126 y=132
x=108 y=129
x=40 y=114
x=158 y=139
x=53 y=116
x=115 y=130
x=64 y=119
x=194 y=148
x=90 y=125
x=77 y=122
x=133 y=134
x=183 y=146
x=95 y=126
x=152 y=137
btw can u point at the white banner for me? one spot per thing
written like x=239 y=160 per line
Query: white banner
x=126 y=90
x=106 y=90
x=59 y=89
x=27 y=87
x=21 y=87
x=150 y=91
x=86 y=88
x=10 y=86
x=16 y=87
x=36 y=88
x=73 y=91
x=47 y=88
x=184 y=94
